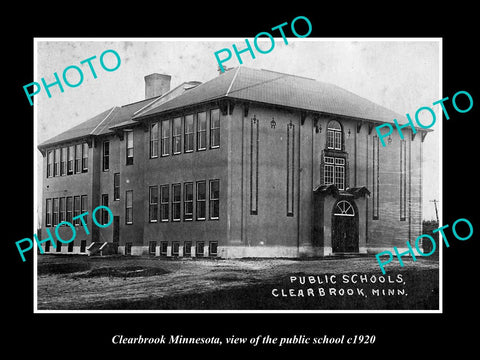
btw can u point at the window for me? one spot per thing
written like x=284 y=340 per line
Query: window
x=344 y=208
x=85 y=157
x=70 y=247
x=334 y=171
x=213 y=248
x=214 y=199
x=55 y=212
x=63 y=162
x=188 y=133
x=71 y=156
x=199 y=249
x=154 y=140
x=164 y=202
x=83 y=246
x=340 y=173
x=47 y=246
x=163 y=248
x=62 y=210
x=48 y=212
x=56 y=167
x=116 y=186
x=254 y=166
x=375 y=178
x=328 y=170
x=290 y=167
x=129 y=207
x=153 y=203
x=106 y=155
x=59 y=247
x=69 y=209
x=76 y=210
x=187 y=248
x=84 y=206
x=175 y=248
x=49 y=163
x=176 y=201
x=78 y=158
x=165 y=137
x=334 y=135
x=177 y=135
x=214 y=128
x=201 y=200
x=104 y=212
x=188 y=202
x=202 y=131
x=403 y=180
x=152 y=246
x=128 y=248
x=129 y=153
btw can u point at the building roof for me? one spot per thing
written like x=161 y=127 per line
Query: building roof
x=241 y=83
x=281 y=89
x=99 y=124
x=116 y=117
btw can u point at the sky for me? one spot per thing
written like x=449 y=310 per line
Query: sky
x=400 y=74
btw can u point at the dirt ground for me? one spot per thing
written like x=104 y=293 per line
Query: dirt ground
x=152 y=283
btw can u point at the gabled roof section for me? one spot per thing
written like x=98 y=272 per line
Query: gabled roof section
x=281 y=89
x=99 y=124
x=117 y=117
x=83 y=129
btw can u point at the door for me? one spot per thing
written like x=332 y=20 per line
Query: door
x=344 y=227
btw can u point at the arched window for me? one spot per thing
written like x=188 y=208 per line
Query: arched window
x=344 y=208
x=334 y=135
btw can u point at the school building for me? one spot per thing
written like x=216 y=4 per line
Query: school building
x=252 y=163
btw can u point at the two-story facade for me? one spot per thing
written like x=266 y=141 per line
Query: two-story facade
x=252 y=163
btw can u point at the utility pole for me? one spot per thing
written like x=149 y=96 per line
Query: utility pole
x=436 y=210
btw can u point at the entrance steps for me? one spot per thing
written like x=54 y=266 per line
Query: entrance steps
x=102 y=248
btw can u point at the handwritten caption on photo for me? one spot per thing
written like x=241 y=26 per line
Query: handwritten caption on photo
x=346 y=285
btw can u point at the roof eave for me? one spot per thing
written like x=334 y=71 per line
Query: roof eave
x=45 y=145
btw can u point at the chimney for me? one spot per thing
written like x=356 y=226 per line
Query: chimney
x=156 y=85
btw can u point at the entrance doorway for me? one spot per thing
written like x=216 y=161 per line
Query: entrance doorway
x=344 y=227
